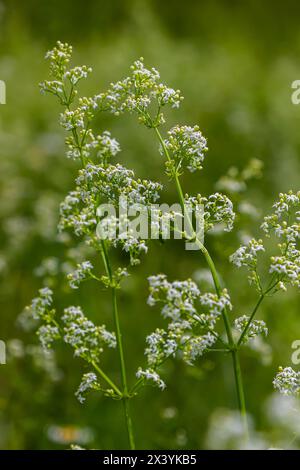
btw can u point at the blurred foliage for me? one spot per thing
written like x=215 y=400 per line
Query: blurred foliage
x=234 y=63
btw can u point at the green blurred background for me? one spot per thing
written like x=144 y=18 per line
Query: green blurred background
x=234 y=62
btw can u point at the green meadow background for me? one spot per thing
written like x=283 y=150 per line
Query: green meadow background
x=234 y=63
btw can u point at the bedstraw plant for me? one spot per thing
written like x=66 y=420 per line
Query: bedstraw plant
x=193 y=318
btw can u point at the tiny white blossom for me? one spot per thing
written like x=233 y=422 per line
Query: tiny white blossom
x=86 y=338
x=186 y=146
x=256 y=327
x=150 y=374
x=88 y=383
x=287 y=381
x=47 y=334
x=81 y=273
x=218 y=209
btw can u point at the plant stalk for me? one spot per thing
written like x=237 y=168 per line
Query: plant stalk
x=232 y=346
x=125 y=395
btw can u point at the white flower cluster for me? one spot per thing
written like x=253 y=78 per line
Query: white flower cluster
x=186 y=146
x=132 y=245
x=41 y=309
x=285 y=223
x=256 y=327
x=84 y=144
x=76 y=215
x=59 y=58
x=150 y=374
x=138 y=92
x=100 y=184
x=40 y=306
x=103 y=182
x=196 y=346
x=113 y=181
x=104 y=146
x=77 y=73
x=86 y=338
x=187 y=311
x=218 y=209
x=88 y=383
x=287 y=267
x=247 y=256
x=213 y=306
x=287 y=381
x=177 y=297
x=279 y=221
x=81 y=273
x=47 y=334
x=118 y=275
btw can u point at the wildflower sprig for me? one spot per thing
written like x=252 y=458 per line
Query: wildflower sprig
x=256 y=327
x=101 y=181
x=187 y=146
x=101 y=184
x=192 y=318
x=186 y=150
x=142 y=93
x=284 y=268
x=83 y=272
x=218 y=210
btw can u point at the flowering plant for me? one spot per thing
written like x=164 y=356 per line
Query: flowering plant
x=193 y=318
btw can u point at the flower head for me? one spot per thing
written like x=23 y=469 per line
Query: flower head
x=287 y=381
x=186 y=146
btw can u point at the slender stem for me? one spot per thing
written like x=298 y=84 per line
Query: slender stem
x=261 y=298
x=107 y=379
x=240 y=392
x=218 y=289
x=125 y=395
x=211 y=265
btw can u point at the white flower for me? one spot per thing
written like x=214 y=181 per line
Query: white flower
x=40 y=305
x=177 y=297
x=246 y=255
x=287 y=381
x=256 y=327
x=86 y=338
x=81 y=273
x=285 y=210
x=77 y=73
x=218 y=209
x=288 y=267
x=214 y=306
x=186 y=146
x=150 y=374
x=138 y=91
x=196 y=346
x=47 y=334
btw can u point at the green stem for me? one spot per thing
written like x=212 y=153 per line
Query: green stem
x=125 y=394
x=107 y=379
x=240 y=392
x=211 y=265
